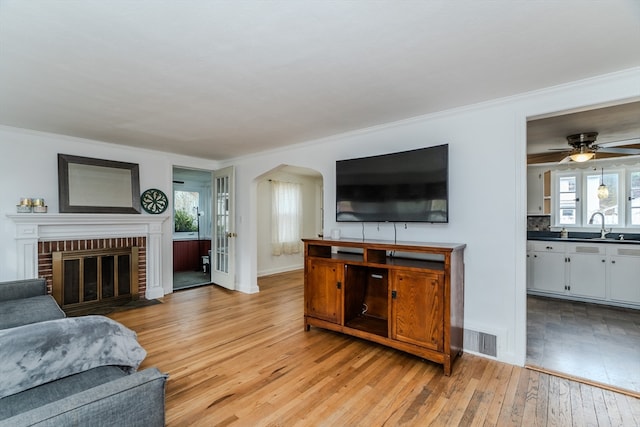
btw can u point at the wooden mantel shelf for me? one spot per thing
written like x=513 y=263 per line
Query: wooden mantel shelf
x=73 y=218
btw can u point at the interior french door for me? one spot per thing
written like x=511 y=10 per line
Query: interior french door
x=223 y=262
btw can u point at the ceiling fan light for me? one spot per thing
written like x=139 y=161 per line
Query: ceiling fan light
x=581 y=157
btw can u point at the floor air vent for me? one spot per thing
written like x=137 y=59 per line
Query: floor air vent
x=481 y=342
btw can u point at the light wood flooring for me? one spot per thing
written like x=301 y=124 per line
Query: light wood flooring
x=595 y=342
x=244 y=360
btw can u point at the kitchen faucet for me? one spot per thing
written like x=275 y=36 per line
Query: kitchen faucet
x=603 y=231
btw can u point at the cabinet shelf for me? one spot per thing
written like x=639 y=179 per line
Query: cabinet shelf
x=382 y=261
x=369 y=324
x=412 y=303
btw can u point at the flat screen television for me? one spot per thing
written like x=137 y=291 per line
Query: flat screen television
x=408 y=186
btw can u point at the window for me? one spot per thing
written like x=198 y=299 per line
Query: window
x=575 y=198
x=186 y=207
x=286 y=217
x=609 y=207
x=634 y=198
x=568 y=200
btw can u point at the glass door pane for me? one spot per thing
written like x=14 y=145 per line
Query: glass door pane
x=222 y=263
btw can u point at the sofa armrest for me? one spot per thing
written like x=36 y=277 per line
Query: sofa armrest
x=131 y=401
x=25 y=288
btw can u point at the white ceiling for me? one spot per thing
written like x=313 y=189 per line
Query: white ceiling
x=220 y=79
x=614 y=124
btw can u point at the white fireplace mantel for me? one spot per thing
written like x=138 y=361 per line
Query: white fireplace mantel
x=32 y=228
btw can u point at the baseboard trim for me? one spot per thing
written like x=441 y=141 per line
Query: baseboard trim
x=285 y=269
x=584 y=381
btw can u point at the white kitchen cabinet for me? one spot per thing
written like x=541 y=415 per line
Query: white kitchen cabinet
x=624 y=274
x=586 y=270
x=595 y=272
x=534 y=192
x=547 y=262
x=538 y=192
x=529 y=264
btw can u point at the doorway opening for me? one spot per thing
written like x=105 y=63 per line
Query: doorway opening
x=278 y=257
x=192 y=232
x=590 y=336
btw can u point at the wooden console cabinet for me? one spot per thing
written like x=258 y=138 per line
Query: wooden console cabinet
x=409 y=296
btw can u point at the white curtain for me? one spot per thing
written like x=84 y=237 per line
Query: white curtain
x=286 y=217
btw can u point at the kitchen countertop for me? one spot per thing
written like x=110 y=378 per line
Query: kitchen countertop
x=629 y=238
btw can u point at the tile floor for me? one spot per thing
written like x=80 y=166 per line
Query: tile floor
x=189 y=279
x=591 y=341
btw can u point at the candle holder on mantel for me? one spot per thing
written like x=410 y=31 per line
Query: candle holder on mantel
x=28 y=205
x=38 y=206
x=24 y=206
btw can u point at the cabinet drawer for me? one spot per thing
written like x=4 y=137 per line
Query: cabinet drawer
x=586 y=248
x=548 y=246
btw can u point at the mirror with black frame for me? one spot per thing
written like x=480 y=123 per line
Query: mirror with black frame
x=88 y=185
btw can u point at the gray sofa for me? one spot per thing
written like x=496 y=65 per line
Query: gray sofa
x=59 y=371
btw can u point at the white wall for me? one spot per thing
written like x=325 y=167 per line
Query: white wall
x=487 y=155
x=29 y=168
x=267 y=263
x=487 y=146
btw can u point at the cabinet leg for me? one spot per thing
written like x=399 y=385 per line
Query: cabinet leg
x=307 y=326
x=447 y=366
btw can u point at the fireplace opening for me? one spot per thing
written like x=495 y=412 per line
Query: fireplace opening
x=84 y=279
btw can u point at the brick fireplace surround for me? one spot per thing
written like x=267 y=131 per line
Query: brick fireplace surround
x=38 y=235
x=46 y=249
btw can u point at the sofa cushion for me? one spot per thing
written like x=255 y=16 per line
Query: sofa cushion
x=135 y=400
x=37 y=353
x=57 y=390
x=28 y=310
x=24 y=288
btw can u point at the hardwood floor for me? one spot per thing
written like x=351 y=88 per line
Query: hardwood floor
x=245 y=360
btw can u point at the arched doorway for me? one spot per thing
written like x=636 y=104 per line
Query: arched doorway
x=310 y=183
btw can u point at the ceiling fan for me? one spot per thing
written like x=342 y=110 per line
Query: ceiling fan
x=583 y=147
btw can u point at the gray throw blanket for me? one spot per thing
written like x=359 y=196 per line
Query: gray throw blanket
x=38 y=353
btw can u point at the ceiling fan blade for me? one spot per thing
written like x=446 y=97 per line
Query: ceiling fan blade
x=619 y=143
x=546 y=157
x=630 y=151
x=565 y=160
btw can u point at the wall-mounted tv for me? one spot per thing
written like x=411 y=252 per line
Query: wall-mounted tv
x=408 y=186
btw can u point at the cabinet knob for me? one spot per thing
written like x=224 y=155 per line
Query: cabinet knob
x=613 y=261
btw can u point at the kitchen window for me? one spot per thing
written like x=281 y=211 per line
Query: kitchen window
x=567 y=213
x=634 y=198
x=575 y=198
x=610 y=206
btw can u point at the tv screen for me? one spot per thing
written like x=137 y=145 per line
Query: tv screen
x=409 y=186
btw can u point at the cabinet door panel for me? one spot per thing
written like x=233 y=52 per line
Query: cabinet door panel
x=324 y=290
x=587 y=275
x=624 y=279
x=548 y=271
x=418 y=308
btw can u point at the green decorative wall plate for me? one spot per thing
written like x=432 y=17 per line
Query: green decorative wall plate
x=154 y=201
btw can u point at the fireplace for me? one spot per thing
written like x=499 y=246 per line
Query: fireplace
x=93 y=236
x=95 y=277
